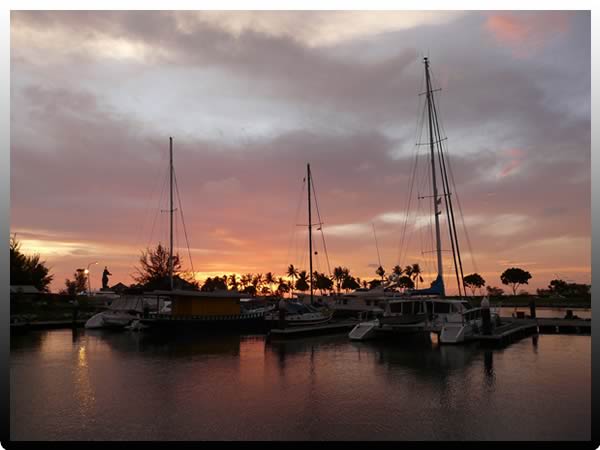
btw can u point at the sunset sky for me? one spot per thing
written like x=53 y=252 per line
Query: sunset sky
x=251 y=97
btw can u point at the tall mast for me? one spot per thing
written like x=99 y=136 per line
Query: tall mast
x=436 y=200
x=171 y=213
x=310 y=234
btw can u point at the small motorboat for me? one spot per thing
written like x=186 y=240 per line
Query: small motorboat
x=298 y=314
x=121 y=313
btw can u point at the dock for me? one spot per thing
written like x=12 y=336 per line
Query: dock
x=300 y=331
x=512 y=329
x=46 y=325
x=508 y=332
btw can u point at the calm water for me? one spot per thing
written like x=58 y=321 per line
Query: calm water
x=123 y=385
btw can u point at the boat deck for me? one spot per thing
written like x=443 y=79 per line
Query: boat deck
x=298 y=331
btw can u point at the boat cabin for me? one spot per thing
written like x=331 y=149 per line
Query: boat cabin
x=196 y=303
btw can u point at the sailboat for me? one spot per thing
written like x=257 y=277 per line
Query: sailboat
x=298 y=312
x=196 y=310
x=429 y=310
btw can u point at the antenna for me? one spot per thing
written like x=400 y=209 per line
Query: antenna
x=171 y=213
x=310 y=234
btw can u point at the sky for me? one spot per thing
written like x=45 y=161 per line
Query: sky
x=251 y=97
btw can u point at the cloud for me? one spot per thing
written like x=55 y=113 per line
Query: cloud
x=252 y=98
x=526 y=32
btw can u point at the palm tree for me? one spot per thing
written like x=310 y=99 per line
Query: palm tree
x=270 y=280
x=302 y=282
x=397 y=270
x=338 y=276
x=292 y=273
x=381 y=272
x=282 y=286
x=233 y=282
x=258 y=281
x=416 y=274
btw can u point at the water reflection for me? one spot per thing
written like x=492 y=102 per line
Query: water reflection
x=111 y=385
x=488 y=365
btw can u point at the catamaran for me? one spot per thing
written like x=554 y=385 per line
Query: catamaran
x=429 y=310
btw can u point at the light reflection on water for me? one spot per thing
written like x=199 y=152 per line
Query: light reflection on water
x=122 y=385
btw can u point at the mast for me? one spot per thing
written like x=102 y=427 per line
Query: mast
x=436 y=200
x=171 y=213
x=310 y=234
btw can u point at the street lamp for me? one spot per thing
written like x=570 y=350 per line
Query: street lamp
x=87 y=273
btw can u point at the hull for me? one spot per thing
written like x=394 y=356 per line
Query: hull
x=240 y=322
x=296 y=320
x=107 y=319
x=404 y=319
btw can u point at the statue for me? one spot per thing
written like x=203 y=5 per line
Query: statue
x=105 y=275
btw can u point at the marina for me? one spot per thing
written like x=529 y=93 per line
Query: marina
x=300 y=226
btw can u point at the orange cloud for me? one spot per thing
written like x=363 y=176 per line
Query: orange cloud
x=526 y=32
x=515 y=160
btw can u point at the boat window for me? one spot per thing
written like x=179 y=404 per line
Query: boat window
x=396 y=307
x=368 y=302
x=407 y=308
x=376 y=302
x=429 y=306
x=442 y=308
x=345 y=301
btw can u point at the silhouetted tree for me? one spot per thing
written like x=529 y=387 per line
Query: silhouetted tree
x=397 y=270
x=214 y=284
x=474 y=281
x=322 y=282
x=494 y=291
x=515 y=277
x=338 y=276
x=28 y=270
x=270 y=279
x=154 y=266
x=405 y=282
x=374 y=283
x=292 y=273
x=302 y=281
x=233 y=282
x=349 y=283
x=381 y=272
x=283 y=286
x=415 y=274
x=79 y=283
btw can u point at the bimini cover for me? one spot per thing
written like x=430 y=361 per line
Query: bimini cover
x=436 y=288
x=133 y=303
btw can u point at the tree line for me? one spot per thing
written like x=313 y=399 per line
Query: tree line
x=153 y=273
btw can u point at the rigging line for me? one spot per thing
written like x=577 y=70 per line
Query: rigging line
x=445 y=176
x=408 y=205
x=376 y=245
x=139 y=236
x=312 y=182
x=183 y=222
x=462 y=216
x=293 y=239
x=447 y=199
x=402 y=250
x=410 y=194
x=158 y=210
